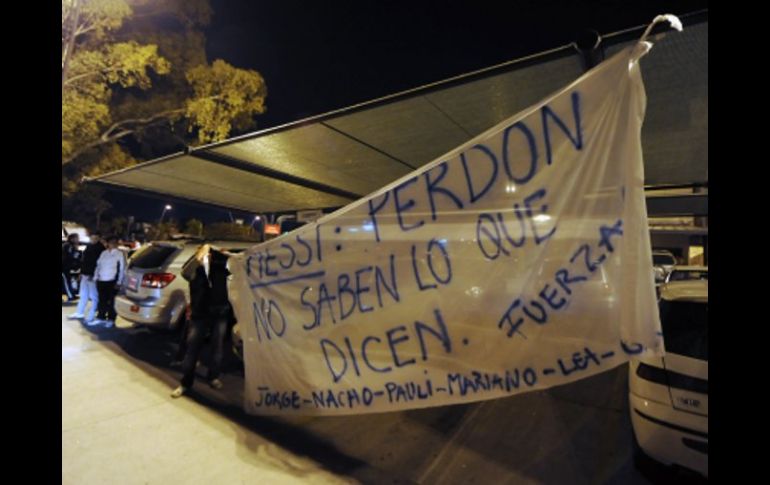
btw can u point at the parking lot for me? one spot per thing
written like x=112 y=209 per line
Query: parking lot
x=116 y=410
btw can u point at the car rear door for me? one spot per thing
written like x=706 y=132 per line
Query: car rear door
x=685 y=333
x=153 y=258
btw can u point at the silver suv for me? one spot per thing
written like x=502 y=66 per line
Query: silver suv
x=154 y=292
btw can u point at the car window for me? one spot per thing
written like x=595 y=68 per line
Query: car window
x=658 y=259
x=290 y=225
x=688 y=275
x=685 y=328
x=152 y=256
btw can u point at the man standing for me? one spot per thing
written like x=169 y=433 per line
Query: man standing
x=109 y=272
x=210 y=311
x=87 y=281
x=70 y=264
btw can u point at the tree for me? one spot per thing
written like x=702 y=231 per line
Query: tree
x=231 y=231
x=94 y=63
x=118 y=226
x=164 y=230
x=136 y=84
x=194 y=227
x=86 y=206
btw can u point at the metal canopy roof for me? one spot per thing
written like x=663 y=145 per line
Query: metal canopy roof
x=333 y=159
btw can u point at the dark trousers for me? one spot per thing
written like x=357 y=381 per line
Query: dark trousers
x=199 y=327
x=182 y=350
x=106 y=308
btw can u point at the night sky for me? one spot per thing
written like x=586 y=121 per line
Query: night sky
x=321 y=56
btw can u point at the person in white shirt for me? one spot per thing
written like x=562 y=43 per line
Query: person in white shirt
x=110 y=269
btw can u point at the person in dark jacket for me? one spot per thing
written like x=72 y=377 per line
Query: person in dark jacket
x=70 y=265
x=210 y=311
x=87 y=282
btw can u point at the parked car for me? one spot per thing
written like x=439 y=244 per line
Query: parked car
x=129 y=248
x=68 y=228
x=668 y=396
x=687 y=273
x=662 y=264
x=155 y=293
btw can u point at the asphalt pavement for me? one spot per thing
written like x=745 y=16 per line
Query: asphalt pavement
x=578 y=433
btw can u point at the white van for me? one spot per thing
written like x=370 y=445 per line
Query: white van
x=668 y=396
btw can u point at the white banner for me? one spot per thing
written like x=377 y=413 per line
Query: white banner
x=519 y=261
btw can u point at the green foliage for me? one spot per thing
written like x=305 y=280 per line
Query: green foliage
x=94 y=17
x=125 y=70
x=136 y=84
x=222 y=93
x=85 y=205
x=118 y=226
x=164 y=230
x=231 y=231
x=194 y=227
x=84 y=114
x=129 y=64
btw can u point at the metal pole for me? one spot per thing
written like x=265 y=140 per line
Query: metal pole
x=588 y=44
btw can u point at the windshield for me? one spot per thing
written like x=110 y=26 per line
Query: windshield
x=685 y=328
x=151 y=256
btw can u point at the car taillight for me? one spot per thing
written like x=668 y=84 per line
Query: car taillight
x=157 y=280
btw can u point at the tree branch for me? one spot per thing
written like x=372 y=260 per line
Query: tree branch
x=67 y=53
x=102 y=140
x=84 y=29
x=85 y=74
x=110 y=135
x=142 y=121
